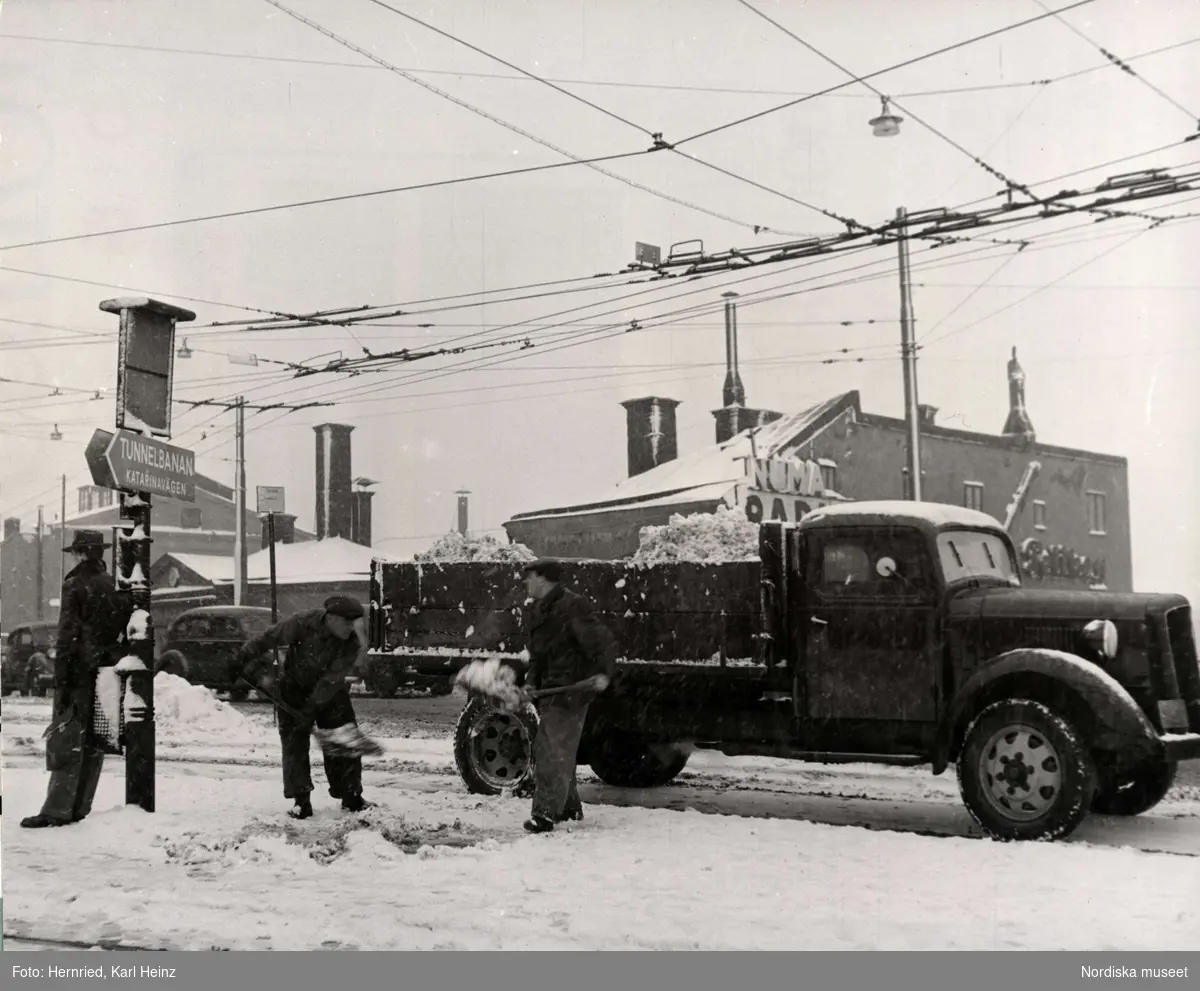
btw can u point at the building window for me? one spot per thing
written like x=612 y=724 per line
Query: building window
x=973 y=495
x=83 y=500
x=1096 y=513
x=1039 y=514
x=829 y=476
x=106 y=497
x=191 y=518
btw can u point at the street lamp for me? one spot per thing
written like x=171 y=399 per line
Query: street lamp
x=55 y=434
x=887 y=124
x=184 y=351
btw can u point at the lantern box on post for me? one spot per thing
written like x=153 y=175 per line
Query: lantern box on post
x=145 y=373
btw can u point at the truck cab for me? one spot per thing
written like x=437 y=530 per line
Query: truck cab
x=901 y=632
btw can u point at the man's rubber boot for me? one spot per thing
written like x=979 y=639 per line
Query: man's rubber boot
x=539 y=824
x=40 y=821
x=572 y=815
x=302 y=809
x=356 y=803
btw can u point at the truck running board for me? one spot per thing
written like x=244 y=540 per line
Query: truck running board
x=812 y=756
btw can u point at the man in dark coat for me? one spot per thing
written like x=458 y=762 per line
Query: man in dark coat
x=322 y=648
x=91 y=623
x=568 y=645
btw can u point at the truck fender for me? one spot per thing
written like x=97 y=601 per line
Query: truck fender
x=1116 y=713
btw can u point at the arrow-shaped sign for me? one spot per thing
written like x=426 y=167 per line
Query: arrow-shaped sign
x=135 y=463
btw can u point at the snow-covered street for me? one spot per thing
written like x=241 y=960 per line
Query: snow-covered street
x=739 y=853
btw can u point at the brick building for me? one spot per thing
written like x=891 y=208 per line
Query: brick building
x=1069 y=508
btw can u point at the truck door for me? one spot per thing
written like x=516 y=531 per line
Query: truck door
x=867 y=626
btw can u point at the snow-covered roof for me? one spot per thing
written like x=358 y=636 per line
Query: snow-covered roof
x=932 y=513
x=332 y=559
x=701 y=493
x=699 y=475
x=216 y=567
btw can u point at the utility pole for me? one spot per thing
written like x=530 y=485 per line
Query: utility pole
x=239 y=540
x=41 y=569
x=908 y=352
x=62 y=543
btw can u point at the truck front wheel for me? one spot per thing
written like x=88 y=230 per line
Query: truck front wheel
x=493 y=749
x=627 y=762
x=1025 y=772
x=1132 y=792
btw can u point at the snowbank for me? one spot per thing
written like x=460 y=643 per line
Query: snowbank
x=707 y=538
x=454 y=548
x=219 y=865
x=184 y=712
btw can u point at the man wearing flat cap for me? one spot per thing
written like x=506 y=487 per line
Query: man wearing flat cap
x=322 y=647
x=568 y=646
x=91 y=623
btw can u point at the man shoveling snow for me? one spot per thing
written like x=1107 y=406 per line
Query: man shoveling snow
x=322 y=647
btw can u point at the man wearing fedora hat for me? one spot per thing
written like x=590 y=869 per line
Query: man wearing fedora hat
x=91 y=622
x=323 y=645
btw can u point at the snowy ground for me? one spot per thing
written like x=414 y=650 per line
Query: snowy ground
x=688 y=866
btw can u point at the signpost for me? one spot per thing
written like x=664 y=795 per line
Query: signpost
x=136 y=464
x=270 y=501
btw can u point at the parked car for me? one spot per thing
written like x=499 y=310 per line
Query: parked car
x=28 y=665
x=202 y=645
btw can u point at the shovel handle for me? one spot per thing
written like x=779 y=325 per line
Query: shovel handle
x=295 y=713
x=578 y=686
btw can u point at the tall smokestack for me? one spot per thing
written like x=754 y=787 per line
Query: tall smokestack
x=1018 y=423
x=650 y=432
x=334 y=498
x=362 y=517
x=462 y=510
x=734 y=393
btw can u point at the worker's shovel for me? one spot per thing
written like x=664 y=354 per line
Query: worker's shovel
x=341 y=741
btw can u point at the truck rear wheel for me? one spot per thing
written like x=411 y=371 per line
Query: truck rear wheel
x=384 y=683
x=493 y=749
x=1025 y=772
x=1132 y=792
x=627 y=762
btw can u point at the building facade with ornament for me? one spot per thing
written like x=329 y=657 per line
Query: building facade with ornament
x=1066 y=509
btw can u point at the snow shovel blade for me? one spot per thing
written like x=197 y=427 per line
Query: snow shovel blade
x=347 y=741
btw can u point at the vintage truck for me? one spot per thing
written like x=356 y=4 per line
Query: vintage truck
x=885 y=632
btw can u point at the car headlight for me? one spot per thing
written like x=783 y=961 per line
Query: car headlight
x=1101 y=636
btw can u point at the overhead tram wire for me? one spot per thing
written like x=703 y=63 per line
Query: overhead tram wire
x=411 y=379
x=452 y=369
x=1120 y=63
x=657 y=146
x=880 y=72
x=620 y=84
x=343 y=198
x=657 y=136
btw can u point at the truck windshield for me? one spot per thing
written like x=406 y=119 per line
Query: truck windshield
x=970 y=554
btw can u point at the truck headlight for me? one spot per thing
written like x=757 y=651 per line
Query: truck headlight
x=1101 y=636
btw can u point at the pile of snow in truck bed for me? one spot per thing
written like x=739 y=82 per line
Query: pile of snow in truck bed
x=457 y=548
x=702 y=538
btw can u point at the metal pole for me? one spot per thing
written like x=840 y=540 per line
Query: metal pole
x=271 y=555
x=908 y=352
x=41 y=569
x=239 y=540
x=133 y=552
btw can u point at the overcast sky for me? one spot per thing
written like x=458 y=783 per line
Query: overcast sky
x=96 y=136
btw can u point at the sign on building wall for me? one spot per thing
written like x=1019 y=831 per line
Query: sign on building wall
x=781 y=489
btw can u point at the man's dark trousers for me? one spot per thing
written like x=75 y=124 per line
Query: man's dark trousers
x=72 y=788
x=555 y=751
x=343 y=773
